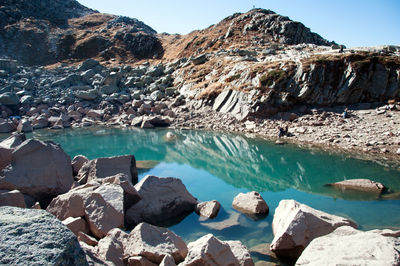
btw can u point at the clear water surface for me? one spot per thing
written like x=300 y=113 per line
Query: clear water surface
x=217 y=166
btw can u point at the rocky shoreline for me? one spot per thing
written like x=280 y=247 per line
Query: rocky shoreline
x=102 y=215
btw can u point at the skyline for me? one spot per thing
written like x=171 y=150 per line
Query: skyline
x=360 y=23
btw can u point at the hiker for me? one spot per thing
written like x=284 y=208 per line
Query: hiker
x=283 y=132
x=346 y=113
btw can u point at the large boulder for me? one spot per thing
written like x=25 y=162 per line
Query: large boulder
x=35 y=237
x=164 y=201
x=208 y=209
x=295 y=225
x=12 y=198
x=101 y=205
x=348 y=246
x=13 y=141
x=5 y=157
x=111 y=247
x=77 y=162
x=250 y=203
x=76 y=225
x=9 y=98
x=109 y=166
x=40 y=169
x=154 y=243
x=209 y=250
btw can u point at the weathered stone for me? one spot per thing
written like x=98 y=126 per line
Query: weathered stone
x=87 y=64
x=77 y=162
x=295 y=225
x=91 y=241
x=250 y=203
x=95 y=114
x=348 y=246
x=13 y=141
x=12 y=198
x=24 y=126
x=231 y=221
x=111 y=247
x=37 y=237
x=209 y=250
x=154 y=243
x=208 y=209
x=360 y=184
x=109 y=166
x=241 y=253
x=5 y=157
x=9 y=98
x=168 y=260
x=48 y=173
x=201 y=59
x=6 y=127
x=76 y=225
x=139 y=261
x=91 y=255
x=164 y=201
x=89 y=95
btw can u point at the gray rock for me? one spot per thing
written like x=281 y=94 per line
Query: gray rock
x=48 y=173
x=164 y=201
x=155 y=71
x=89 y=95
x=109 y=89
x=6 y=127
x=348 y=246
x=157 y=95
x=87 y=64
x=24 y=126
x=250 y=203
x=9 y=98
x=13 y=141
x=208 y=209
x=37 y=237
x=198 y=60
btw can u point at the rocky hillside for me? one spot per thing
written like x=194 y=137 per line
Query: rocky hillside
x=47 y=32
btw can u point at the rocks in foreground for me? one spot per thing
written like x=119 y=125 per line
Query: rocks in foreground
x=36 y=237
x=348 y=246
x=250 y=203
x=164 y=201
x=365 y=185
x=39 y=169
x=295 y=225
x=209 y=250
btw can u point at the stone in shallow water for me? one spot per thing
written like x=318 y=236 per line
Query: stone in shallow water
x=36 y=237
x=360 y=184
x=250 y=203
x=208 y=209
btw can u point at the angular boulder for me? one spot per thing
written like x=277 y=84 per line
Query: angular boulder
x=24 y=126
x=360 y=185
x=13 y=141
x=154 y=243
x=6 y=127
x=168 y=260
x=140 y=261
x=109 y=166
x=111 y=247
x=76 y=225
x=12 y=198
x=295 y=225
x=209 y=250
x=5 y=157
x=35 y=237
x=39 y=169
x=250 y=203
x=77 y=162
x=348 y=246
x=164 y=201
x=208 y=209
x=241 y=253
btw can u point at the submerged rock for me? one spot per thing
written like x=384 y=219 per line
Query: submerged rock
x=295 y=225
x=208 y=209
x=36 y=237
x=348 y=246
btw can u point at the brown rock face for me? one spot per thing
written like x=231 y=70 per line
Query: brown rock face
x=12 y=198
x=39 y=169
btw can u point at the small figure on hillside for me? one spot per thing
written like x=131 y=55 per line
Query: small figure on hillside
x=283 y=131
x=346 y=113
x=341 y=49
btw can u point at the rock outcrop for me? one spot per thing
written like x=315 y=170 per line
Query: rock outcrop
x=348 y=246
x=295 y=225
x=37 y=237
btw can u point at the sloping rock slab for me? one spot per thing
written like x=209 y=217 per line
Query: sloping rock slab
x=295 y=225
x=348 y=246
x=39 y=169
x=109 y=166
x=154 y=243
x=36 y=237
x=164 y=202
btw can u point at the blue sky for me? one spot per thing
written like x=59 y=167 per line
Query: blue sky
x=349 y=22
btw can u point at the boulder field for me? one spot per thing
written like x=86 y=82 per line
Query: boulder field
x=101 y=215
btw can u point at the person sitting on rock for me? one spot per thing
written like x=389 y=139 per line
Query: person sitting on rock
x=346 y=113
x=283 y=131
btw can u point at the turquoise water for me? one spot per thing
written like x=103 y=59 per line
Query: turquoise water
x=219 y=166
